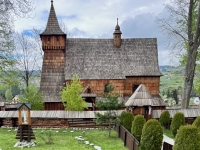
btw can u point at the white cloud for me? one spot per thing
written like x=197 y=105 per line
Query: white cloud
x=97 y=18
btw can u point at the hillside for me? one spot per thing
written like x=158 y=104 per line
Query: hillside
x=172 y=78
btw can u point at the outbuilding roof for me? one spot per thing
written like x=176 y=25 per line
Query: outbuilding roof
x=141 y=97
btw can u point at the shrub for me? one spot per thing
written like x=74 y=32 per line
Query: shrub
x=196 y=123
x=122 y=116
x=152 y=135
x=177 y=121
x=137 y=126
x=187 y=138
x=127 y=121
x=164 y=118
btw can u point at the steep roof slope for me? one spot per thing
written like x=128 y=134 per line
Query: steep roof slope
x=141 y=97
x=99 y=59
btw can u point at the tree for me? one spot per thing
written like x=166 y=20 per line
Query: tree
x=71 y=97
x=196 y=123
x=27 y=56
x=8 y=95
x=152 y=135
x=34 y=97
x=164 y=118
x=168 y=93
x=187 y=138
x=177 y=121
x=127 y=121
x=184 y=33
x=8 y=10
x=137 y=126
x=110 y=103
x=175 y=95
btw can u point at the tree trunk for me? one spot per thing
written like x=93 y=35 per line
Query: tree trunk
x=189 y=75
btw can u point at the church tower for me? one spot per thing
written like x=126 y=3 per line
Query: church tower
x=52 y=78
x=117 y=35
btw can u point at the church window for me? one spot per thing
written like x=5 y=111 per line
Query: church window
x=134 y=87
x=106 y=88
x=57 y=38
x=48 y=38
x=89 y=90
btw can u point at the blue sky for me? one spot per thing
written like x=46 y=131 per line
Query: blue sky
x=97 y=19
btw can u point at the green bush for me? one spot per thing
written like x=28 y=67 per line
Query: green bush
x=164 y=118
x=196 y=123
x=152 y=135
x=137 y=126
x=122 y=116
x=127 y=121
x=177 y=121
x=187 y=138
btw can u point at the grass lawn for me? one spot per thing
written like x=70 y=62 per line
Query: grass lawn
x=168 y=133
x=65 y=140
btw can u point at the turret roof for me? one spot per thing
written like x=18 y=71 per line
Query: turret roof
x=52 y=27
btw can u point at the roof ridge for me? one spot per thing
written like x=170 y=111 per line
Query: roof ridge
x=52 y=26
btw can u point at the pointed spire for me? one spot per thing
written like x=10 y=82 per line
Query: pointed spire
x=117 y=29
x=52 y=27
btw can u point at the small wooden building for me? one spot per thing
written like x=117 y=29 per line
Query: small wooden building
x=126 y=63
x=142 y=102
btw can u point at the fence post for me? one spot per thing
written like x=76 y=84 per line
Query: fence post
x=125 y=134
x=119 y=127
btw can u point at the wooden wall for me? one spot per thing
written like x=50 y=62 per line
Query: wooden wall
x=151 y=83
x=124 y=86
x=54 y=106
x=53 y=42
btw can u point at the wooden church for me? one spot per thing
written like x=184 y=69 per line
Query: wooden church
x=126 y=63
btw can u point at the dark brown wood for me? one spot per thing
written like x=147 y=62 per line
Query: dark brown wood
x=167 y=146
x=25 y=132
x=54 y=106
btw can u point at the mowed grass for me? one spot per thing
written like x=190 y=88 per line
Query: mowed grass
x=168 y=133
x=65 y=140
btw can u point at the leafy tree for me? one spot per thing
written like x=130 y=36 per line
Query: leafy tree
x=196 y=123
x=163 y=92
x=122 y=116
x=9 y=9
x=137 y=126
x=187 y=138
x=152 y=135
x=33 y=97
x=127 y=121
x=8 y=95
x=164 y=118
x=71 y=97
x=177 y=121
x=175 y=95
x=15 y=90
x=110 y=103
x=183 y=32
x=168 y=93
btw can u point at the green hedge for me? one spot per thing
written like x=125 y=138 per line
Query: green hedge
x=177 y=121
x=127 y=121
x=187 y=138
x=164 y=118
x=122 y=117
x=152 y=135
x=196 y=123
x=137 y=126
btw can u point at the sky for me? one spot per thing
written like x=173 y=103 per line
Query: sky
x=97 y=19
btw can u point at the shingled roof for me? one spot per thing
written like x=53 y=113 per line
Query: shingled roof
x=52 y=27
x=99 y=59
x=141 y=97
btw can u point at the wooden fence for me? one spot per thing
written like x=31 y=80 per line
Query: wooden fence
x=129 y=140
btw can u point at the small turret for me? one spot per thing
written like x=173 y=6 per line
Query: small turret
x=117 y=35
